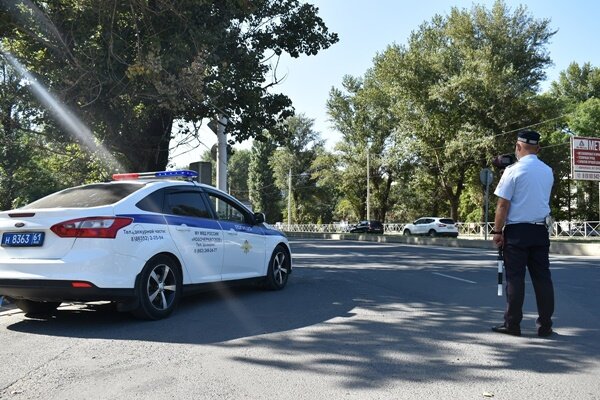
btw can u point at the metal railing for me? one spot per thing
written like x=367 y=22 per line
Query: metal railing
x=565 y=229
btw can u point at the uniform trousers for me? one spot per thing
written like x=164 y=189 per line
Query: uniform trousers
x=527 y=245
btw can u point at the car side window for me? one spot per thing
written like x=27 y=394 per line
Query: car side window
x=153 y=202
x=189 y=204
x=227 y=210
x=419 y=222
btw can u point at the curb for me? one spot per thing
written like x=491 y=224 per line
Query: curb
x=561 y=248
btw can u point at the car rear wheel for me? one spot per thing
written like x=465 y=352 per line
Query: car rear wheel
x=279 y=269
x=159 y=288
x=432 y=233
x=406 y=232
x=37 y=307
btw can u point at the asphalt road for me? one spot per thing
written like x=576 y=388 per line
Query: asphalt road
x=356 y=321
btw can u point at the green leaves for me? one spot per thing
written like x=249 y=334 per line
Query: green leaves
x=132 y=67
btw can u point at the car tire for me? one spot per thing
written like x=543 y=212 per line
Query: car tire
x=406 y=232
x=31 y=307
x=432 y=233
x=279 y=269
x=158 y=288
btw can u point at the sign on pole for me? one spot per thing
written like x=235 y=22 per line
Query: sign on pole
x=486 y=176
x=585 y=158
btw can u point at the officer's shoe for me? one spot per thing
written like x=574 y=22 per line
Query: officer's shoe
x=544 y=331
x=506 y=330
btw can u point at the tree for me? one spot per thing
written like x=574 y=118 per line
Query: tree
x=131 y=68
x=300 y=149
x=237 y=173
x=264 y=194
x=14 y=118
x=34 y=161
x=361 y=112
x=577 y=91
x=577 y=84
x=463 y=82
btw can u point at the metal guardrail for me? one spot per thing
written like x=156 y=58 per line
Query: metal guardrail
x=587 y=229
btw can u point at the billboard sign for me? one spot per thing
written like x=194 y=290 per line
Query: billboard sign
x=585 y=158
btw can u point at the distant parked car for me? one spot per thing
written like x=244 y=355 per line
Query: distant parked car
x=370 y=226
x=432 y=226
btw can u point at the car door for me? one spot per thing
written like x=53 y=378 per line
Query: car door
x=428 y=225
x=243 y=243
x=197 y=235
x=419 y=226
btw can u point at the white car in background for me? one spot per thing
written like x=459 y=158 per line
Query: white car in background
x=142 y=240
x=432 y=226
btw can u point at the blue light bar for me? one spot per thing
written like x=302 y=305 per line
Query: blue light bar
x=182 y=173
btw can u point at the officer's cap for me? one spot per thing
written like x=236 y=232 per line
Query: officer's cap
x=528 y=136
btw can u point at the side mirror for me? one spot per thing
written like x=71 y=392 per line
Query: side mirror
x=259 y=218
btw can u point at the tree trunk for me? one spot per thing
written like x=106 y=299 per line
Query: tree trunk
x=149 y=151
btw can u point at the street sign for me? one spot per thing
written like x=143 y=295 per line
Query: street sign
x=486 y=176
x=585 y=158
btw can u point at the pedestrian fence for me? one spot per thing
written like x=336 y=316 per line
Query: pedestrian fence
x=566 y=229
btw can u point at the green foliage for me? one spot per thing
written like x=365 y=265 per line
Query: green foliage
x=299 y=154
x=237 y=174
x=576 y=91
x=33 y=161
x=264 y=194
x=361 y=113
x=462 y=81
x=130 y=68
x=585 y=120
x=577 y=84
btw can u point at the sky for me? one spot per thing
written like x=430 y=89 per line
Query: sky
x=366 y=27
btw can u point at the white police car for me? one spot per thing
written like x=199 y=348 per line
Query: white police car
x=139 y=240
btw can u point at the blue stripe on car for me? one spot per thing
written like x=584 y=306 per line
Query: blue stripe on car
x=201 y=223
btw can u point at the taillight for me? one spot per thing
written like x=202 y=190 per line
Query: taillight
x=92 y=227
x=81 y=285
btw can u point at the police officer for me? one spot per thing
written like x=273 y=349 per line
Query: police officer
x=523 y=205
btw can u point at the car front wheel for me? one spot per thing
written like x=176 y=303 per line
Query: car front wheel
x=432 y=233
x=279 y=269
x=406 y=232
x=159 y=288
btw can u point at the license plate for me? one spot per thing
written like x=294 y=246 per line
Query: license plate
x=29 y=239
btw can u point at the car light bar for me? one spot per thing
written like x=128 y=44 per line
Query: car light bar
x=181 y=173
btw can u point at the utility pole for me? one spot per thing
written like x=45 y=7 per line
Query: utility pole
x=368 y=186
x=222 y=154
x=289 y=220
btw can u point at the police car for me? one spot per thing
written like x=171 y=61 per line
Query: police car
x=142 y=240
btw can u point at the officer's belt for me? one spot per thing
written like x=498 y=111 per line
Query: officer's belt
x=530 y=223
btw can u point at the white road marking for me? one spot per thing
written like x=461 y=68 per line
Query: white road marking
x=453 y=277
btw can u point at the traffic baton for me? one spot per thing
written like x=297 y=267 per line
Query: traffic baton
x=500 y=269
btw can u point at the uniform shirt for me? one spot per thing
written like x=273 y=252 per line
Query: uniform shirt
x=527 y=185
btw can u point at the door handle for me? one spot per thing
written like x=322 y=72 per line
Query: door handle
x=183 y=228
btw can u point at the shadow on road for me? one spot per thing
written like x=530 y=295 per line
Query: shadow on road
x=368 y=314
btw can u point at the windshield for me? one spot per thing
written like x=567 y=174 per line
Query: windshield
x=94 y=195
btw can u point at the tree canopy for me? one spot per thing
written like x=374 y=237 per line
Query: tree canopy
x=453 y=92
x=131 y=68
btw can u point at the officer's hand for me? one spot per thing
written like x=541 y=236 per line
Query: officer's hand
x=498 y=239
